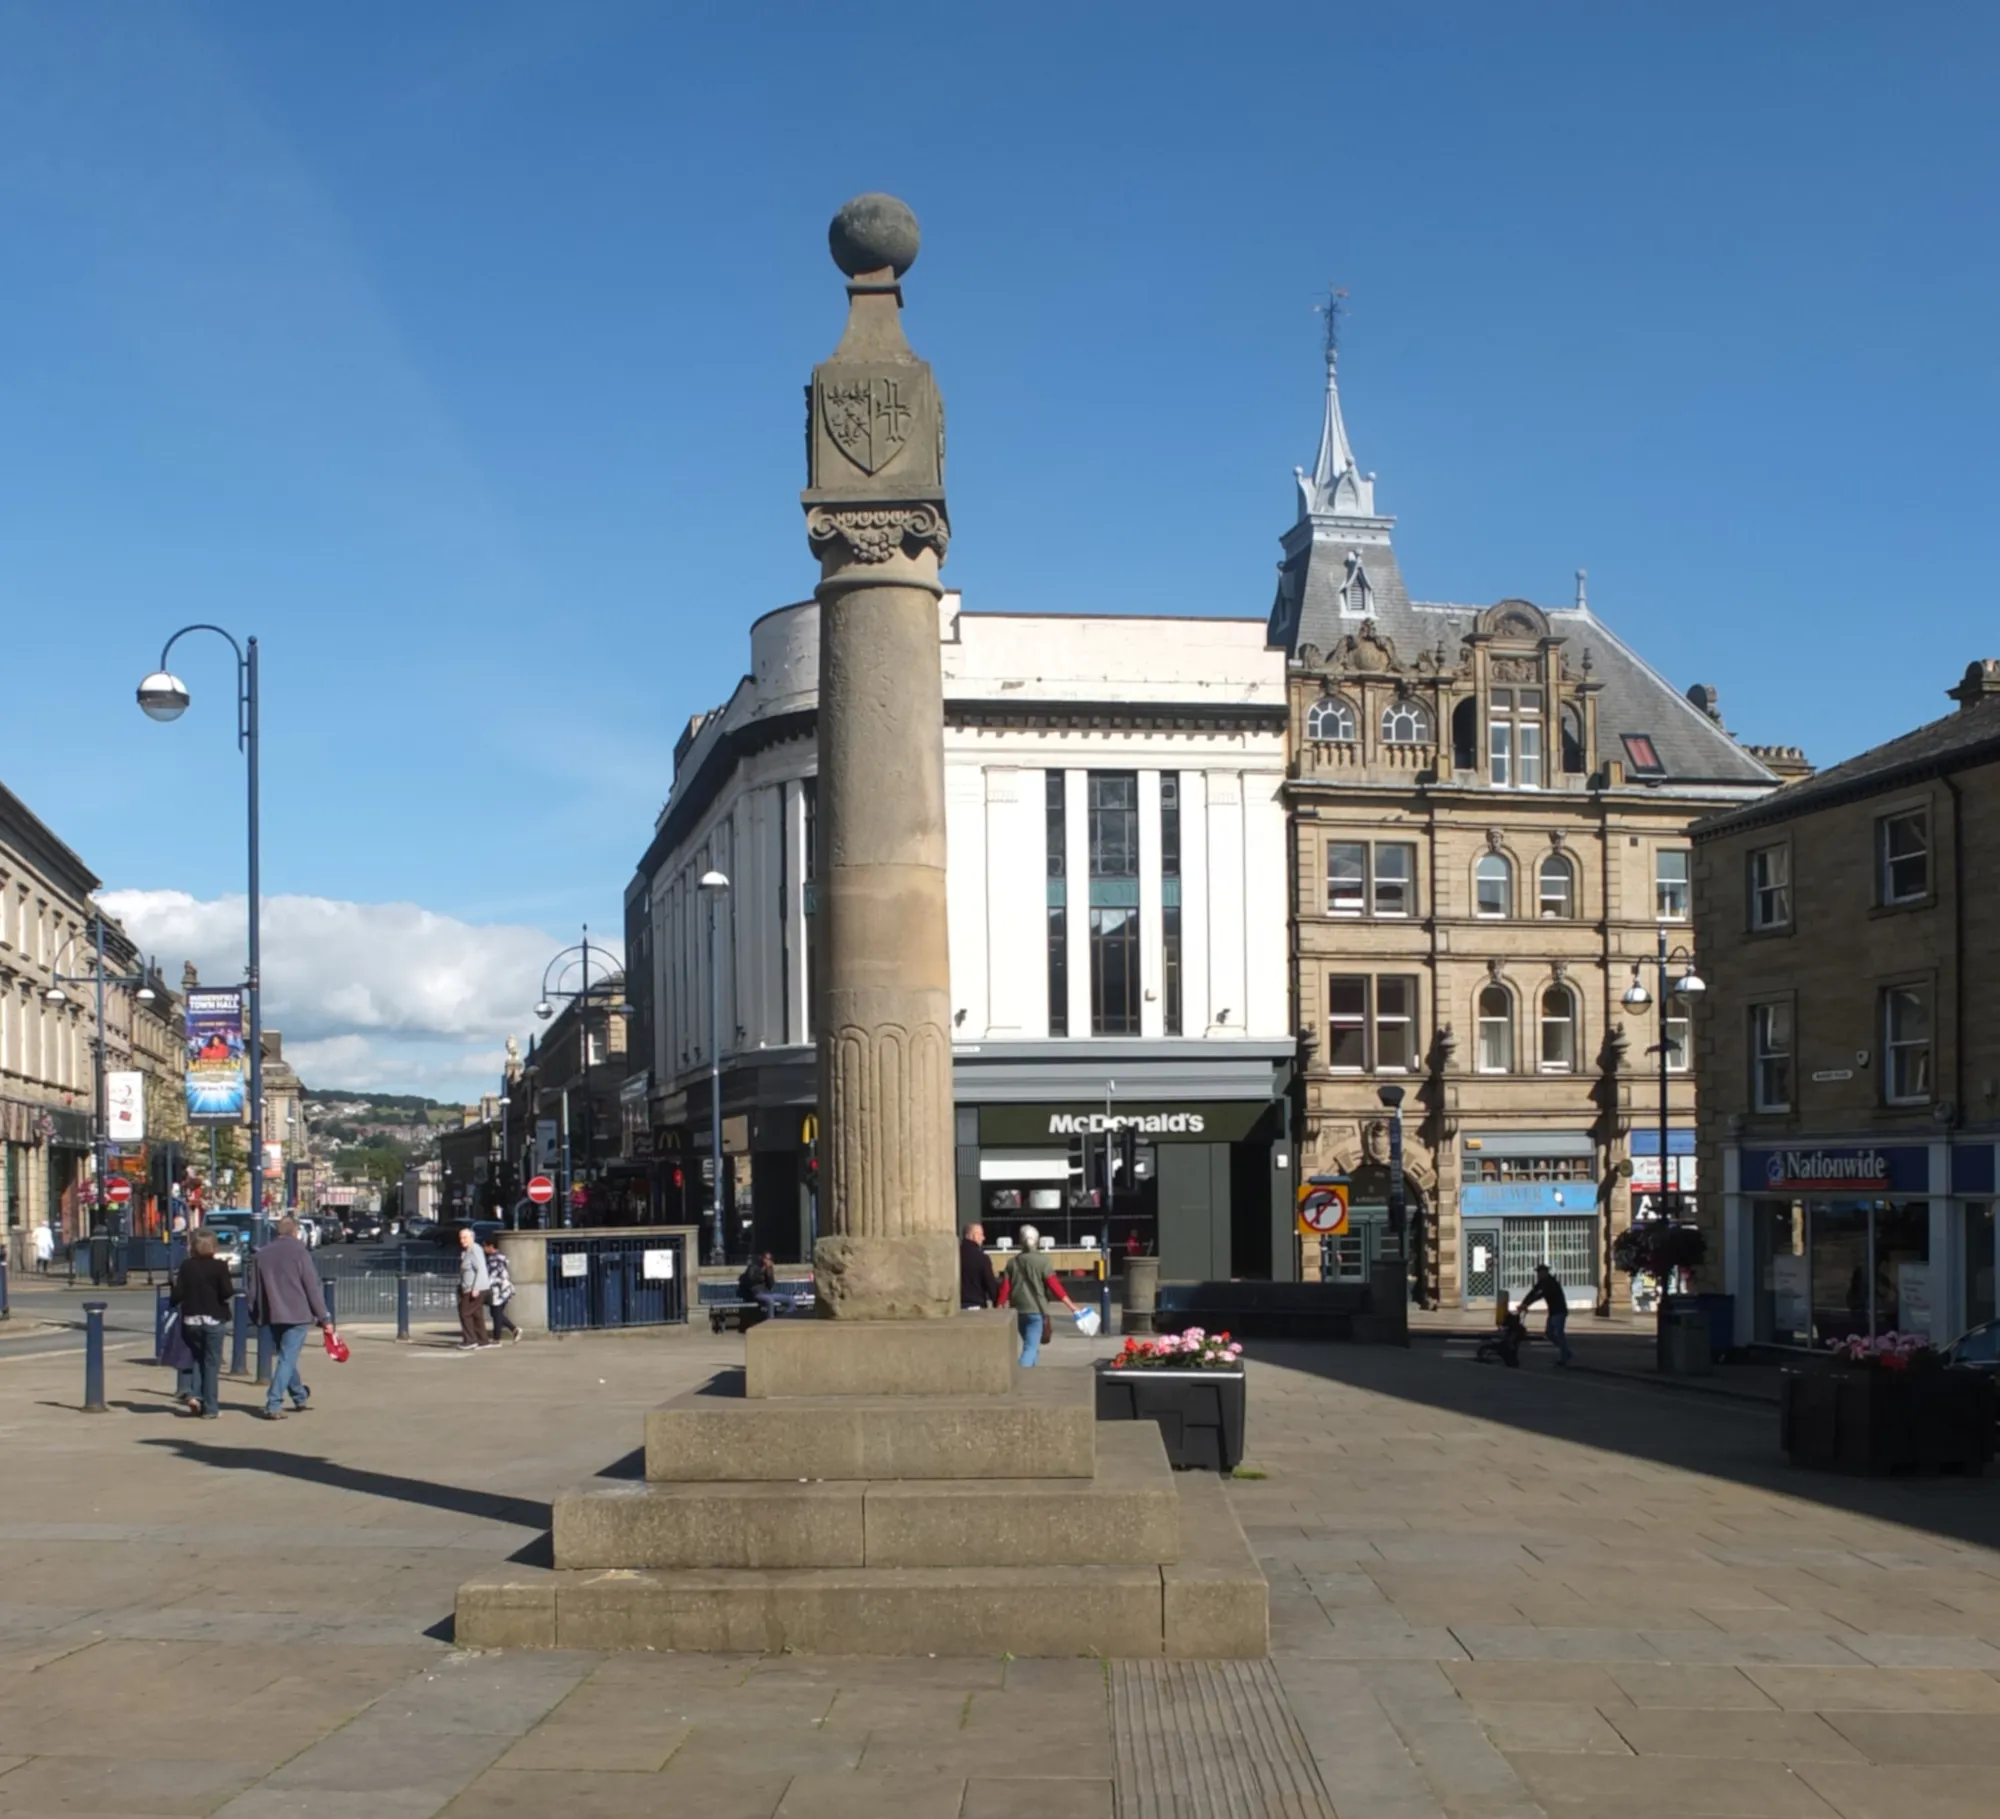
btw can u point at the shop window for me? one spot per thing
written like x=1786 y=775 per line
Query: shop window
x=1977 y=1220
x=1558 y=1030
x=1496 y=1030
x=1771 y=1057
x=1331 y=721
x=1556 y=888
x=1493 y=886
x=1905 y=851
x=1406 y=723
x=1906 y=1041
x=1771 y=887
x=1670 y=884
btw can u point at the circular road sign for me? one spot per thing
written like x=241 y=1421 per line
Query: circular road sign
x=118 y=1190
x=541 y=1190
x=1323 y=1209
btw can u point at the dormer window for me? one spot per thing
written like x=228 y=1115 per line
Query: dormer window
x=1332 y=721
x=1356 y=597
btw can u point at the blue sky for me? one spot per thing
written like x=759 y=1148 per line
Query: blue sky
x=456 y=351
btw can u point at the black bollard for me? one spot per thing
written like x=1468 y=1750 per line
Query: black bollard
x=161 y=1307
x=263 y=1353
x=326 y=1295
x=402 y=1307
x=6 y=1312
x=93 y=1357
x=239 y=1336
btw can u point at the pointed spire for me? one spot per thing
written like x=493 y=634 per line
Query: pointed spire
x=1336 y=485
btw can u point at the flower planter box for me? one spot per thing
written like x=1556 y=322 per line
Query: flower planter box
x=1199 y=1413
x=1875 y=1421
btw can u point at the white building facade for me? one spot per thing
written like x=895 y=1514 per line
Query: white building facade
x=1117 y=896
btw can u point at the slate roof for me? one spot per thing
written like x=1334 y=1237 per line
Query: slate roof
x=1635 y=698
x=1958 y=741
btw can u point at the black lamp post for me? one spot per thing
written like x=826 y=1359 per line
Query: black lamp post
x=98 y=977
x=578 y=955
x=1688 y=986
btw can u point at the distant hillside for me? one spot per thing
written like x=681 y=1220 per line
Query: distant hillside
x=410 y=1108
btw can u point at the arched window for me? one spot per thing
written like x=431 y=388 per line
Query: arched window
x=1465 y=735
x=1406 y=723
x=1496 y=1030
x=1572 y=741
x=1558 y=1030
x=1494 y=886
x=1331 y=719
x=1556 y=889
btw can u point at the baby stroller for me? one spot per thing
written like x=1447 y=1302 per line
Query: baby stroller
x=1505 y=1345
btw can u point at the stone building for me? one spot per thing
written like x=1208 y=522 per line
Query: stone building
x=1489 y=813
x=1848 y=1051
x=559 y=1113
x=1114 y=864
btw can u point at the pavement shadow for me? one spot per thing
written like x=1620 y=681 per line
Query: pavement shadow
x=487 y=1506
x=1717 y=1436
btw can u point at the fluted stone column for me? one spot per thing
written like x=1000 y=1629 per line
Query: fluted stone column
x=875 y=517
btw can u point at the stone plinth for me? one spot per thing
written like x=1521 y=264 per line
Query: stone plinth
x=968 y=1355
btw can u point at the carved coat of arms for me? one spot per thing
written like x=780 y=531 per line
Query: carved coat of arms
x=868 y=416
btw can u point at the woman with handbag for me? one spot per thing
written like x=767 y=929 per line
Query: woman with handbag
x=201 y=1294
x=500 y=1291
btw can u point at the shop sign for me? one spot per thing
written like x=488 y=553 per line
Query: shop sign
x=1865 y=1169
x=1490 y=1199
x=1208 y=1121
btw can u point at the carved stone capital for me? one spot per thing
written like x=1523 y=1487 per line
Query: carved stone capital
x=874 y=534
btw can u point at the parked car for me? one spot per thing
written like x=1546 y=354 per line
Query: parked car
x=363 y=1228
x=1977 y=1347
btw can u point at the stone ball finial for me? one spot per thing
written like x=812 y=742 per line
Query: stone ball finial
x=873 y=231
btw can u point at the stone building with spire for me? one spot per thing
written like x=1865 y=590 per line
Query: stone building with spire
x=1488 y=809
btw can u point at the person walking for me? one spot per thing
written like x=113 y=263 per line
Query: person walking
x=475 y=1280
x=202 y=1292
x=1029 y=1287
x=1549 y=1292
x=284 y=1296
x=502 y=1290
x=977 y=1284
x=45 y=1248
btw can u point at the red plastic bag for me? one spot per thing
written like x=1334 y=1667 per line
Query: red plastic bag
x=336 y=1346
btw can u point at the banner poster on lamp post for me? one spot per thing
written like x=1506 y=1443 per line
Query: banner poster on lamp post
x=215 y=1055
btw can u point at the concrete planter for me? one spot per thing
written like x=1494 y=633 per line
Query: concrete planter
x=1876 y=1421
x=1200 y=1414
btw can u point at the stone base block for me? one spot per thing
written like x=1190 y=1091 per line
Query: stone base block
x=914 y=1277
x=966 y=1355
x=989 y=1611
x=716 y=1435
x=1128 y=1514
x=1216 y=1603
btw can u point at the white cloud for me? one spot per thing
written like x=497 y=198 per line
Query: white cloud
x=384 y=995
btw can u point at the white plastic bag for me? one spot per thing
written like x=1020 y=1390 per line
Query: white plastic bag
x=1088 y=1321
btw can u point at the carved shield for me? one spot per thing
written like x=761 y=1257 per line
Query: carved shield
x=867 y=416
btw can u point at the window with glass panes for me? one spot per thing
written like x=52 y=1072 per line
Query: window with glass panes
x=1496 y=1030
x=1906 y=1040
x=1556 y=888
x=1670 y=884
x=1558 y=1021
x=1371 y=1023
x=1514 y=738
x=1364 y=879
x=1905 y=856
x=1056 y=812
x=1113 y=804
x=1771 y=887
x=1170 y=902
x=1771 y=1057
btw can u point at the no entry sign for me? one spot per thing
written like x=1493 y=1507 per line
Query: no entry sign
x=541 y=1190
x=118 y=1190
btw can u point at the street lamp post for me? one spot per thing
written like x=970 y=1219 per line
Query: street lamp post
x=1636 y=1000
x=98 y=977
x=714 y=888
x=164 y=696
x=578 y=954
x=1392 y=1101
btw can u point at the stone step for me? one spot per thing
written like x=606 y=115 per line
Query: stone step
x=1046 y=1426
x=1128 y=1513
x=1210 y=1604
x=968 y=1354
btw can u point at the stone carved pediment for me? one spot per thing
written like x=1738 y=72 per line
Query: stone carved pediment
x=1514 y=619
x=1367 y=653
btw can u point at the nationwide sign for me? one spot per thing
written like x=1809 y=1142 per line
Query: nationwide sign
x=1866 y=1168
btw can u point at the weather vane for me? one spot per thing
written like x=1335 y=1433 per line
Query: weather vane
x=1331 y=309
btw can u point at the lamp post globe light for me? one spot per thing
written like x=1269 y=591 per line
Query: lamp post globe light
x=164 y=696
x=578 y=955
x=714 y=888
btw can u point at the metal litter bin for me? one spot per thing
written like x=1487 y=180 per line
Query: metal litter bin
x=1686 y=1353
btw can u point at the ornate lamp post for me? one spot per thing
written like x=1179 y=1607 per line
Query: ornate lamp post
x=1636 y=999
x=99 y=978
x=578 y=955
